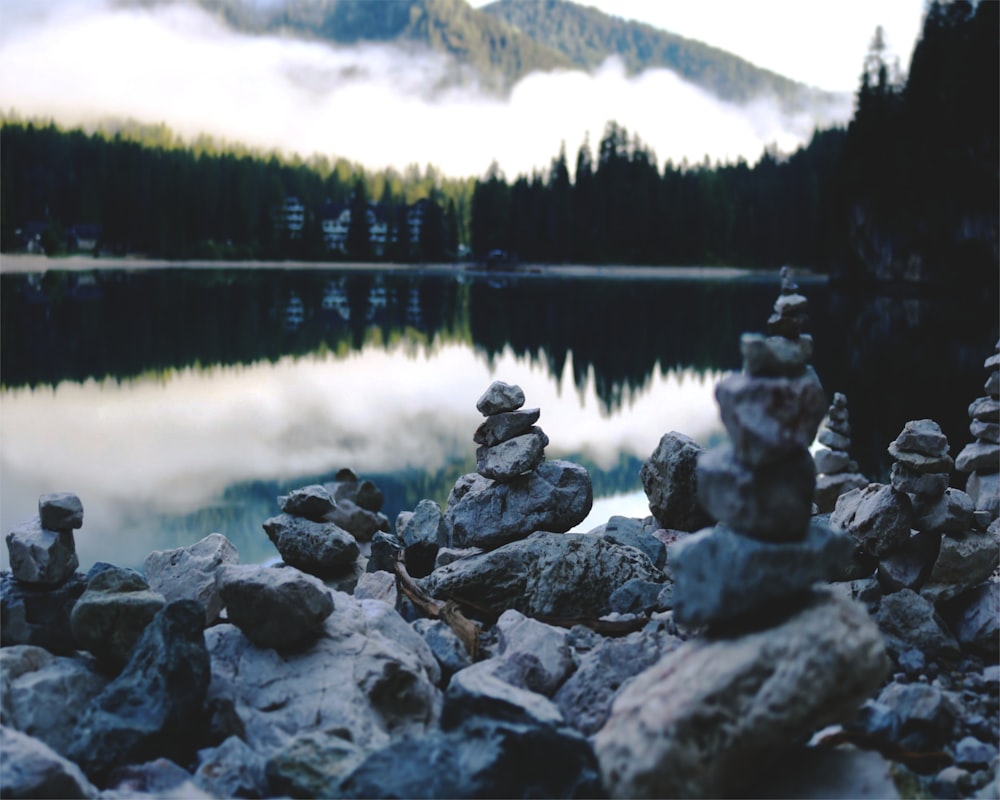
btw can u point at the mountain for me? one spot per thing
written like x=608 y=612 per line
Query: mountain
x=501 y=43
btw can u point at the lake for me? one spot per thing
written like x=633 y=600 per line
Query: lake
x=178 y=400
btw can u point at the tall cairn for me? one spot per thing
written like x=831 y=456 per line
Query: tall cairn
x=981 y=458
x=837 y=471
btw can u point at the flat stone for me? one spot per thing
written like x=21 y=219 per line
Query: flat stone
x=775 y=356
x=513 y=457
x=979 y=457
x=918 y=462
x=992 y=385
x=310 y=502
x=189 y=572
x=772 y=502
x=499 y=398
x=716 y=714
x=60 y=511
x=318 y=548
x=830 y=462
x=910 y=564
x=985 y=431
x=926 y=484
x=877 y=516
x=834 y=440
x=768 y=418
x=670 y=482
x=830 y=487
x=506 y=425
x=985 y=409
x=984 y=489
x=720 y=575
x=41 y=556
x=949 y=513
x=923 y=436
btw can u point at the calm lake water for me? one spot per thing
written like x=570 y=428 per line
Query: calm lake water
x=178 y=401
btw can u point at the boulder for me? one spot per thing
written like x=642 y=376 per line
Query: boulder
x=60 y=511
x=714 y=714
x=949 y=513
x=670 y=482
x=769 y=418
x=922 y=436
x=188 y=573
x=369 y=676
x=39 y=615
x=720 y=576
x=979 y=456
x=483 y=513
x=111 y=615
x=964 y=561
x=540 y=653
x=500 y=398
x=279 y=607
x=155 y=706
x=313 y=765
x=513 y=457
x=975 y=619
x=312 y=502
x=30 y=768
x=878 y=517
x=500 y=427
x=908 y=620
x=771 y=502
x=545 y=575
x=41 y=556
x=318 y=548
x=232 y=770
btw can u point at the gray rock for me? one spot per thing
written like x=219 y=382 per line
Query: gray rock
x=378 y=585
x=964 y=561
x=500 y=398
x=949 y=513
x=830 y=462
x=545 y=575
x=775 y=356
x=480 y=691
x=926 y=484
x=362 y=493
x=60 y=511
x=232 y=770
x=972 y=753
x=910 y=620
x=603 y=671
x=112 y=613
x=923 y=436
x=384 y=547
x=30 y=768
x=277 y=607
x=830 y=487
x=720 y=575
x=640 y=597
x=834 y=439
x=448 y=555
x=975 y=619
x=360 y=522
x=369 y=677
x=918 y=462
x=506 y=425
x=313 y=765
x=555 y=497
x=632 y=533
x=448 y=649
x=670 y=482
x=422 y=537
x=319 y=548
x=878 y=517
x=979 y=456
x=310 y=502
x=513 y=457
x=985 y=409
x=160 y=778
x=925 y=715
x=41 y=556
x=985 y=431
x=772 y=501
x=909 y=565
x=951 y=782
x=992 y=385
x=769 y=418
x=188 y=573
x=984 y=489
x=155 y=706
x=44 y=695
x=39 y=615
x=552 y=660
x=710 y=717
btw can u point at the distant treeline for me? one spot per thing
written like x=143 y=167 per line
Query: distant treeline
x=907 y=191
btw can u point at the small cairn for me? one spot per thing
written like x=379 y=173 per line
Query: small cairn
x=43 y=550
x=981 y=458
x=510 y=443
x=837 y=472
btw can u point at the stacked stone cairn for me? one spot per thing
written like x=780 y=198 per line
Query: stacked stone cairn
x=782 y=657
x=837 y=471
x=981 y=458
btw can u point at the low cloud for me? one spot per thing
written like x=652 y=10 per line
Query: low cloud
x=80 y=62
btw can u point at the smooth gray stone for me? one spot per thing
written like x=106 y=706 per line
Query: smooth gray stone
x=949 y=513
x=878 y=517
x=720 y=575
x=513 y=457
x=992 y=362
x=670 y=482
x=907 y=620
x=499 y=398
x=506 y=425
x=918 y=462
x=985 y=431
x=60 y=511
x=39 y=615
x=318 y=548
x=984 y=489
x=772 y=502
x=775 y=356
x=279 y=607
x=30 y=768
x=767 y=418
x=189 y=572
x=487 y=514
x=985 y=409
x=831 y=438
x=979 y=457
x=830 y=462
x=310 y=502
x=909 y=565
x=545 y=575
x=830 y=487
x=923 y=436
x=40 y=556
x=925 y=484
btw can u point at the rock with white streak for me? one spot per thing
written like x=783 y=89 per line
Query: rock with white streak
x=188 y=573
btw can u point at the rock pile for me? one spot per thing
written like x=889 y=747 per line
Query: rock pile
x=703 y=720
x=837 y=472
x=981 y=458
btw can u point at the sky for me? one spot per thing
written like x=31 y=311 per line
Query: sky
x=369 y=104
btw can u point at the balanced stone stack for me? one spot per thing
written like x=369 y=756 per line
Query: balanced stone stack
x=510 y=444
x=981 y=458
x=837 y=471
x=784 y=657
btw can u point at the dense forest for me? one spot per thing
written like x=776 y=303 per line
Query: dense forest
x=908 y=191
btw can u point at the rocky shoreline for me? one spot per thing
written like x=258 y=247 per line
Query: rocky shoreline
x=779 y=626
